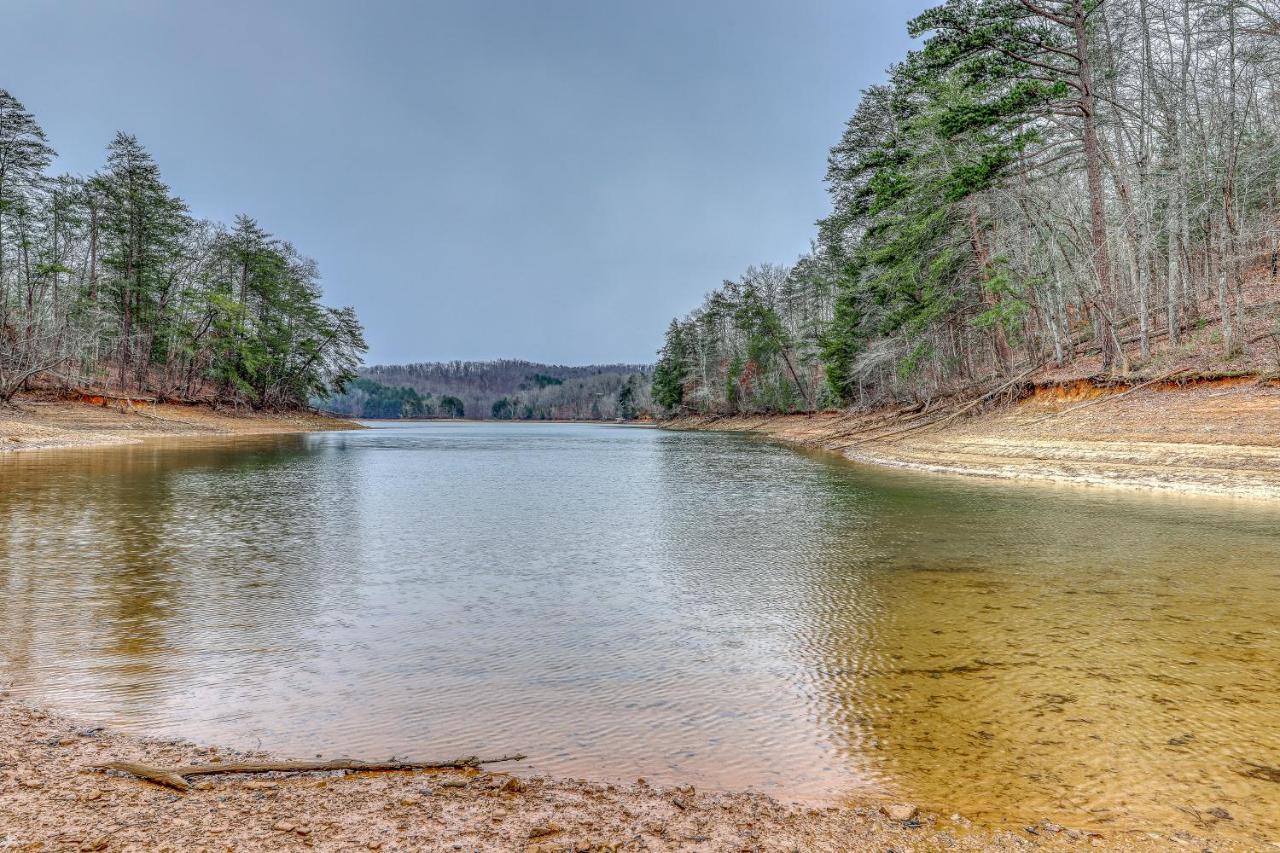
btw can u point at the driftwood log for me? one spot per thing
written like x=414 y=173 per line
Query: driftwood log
x=175 y=777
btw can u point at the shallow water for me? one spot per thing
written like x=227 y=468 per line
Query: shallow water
x=689 y=607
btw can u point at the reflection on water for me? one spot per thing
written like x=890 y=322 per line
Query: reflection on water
x=688 y=607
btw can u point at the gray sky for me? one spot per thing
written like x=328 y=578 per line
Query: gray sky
x=548 y=180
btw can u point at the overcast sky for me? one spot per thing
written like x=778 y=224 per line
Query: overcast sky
x=545 y=179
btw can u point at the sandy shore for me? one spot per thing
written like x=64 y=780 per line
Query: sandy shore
x=51 y=798
x=1211 y=438
x=42 y=424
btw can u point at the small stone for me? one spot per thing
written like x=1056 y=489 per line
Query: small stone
x=544 y=829
x=1220 y=813
x=303 y=830
x=452 y=783
x=99 y=843
x=901 y=812
x=31 y=783
x=259 y=785
x=90 y=796
x=409 y=801
x=374 y=845
x=66 y=741
x=284 y=826
x=1050 y=826
x=513 y=786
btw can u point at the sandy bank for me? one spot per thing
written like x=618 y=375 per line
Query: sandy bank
x=43 y=423
x=51 y=799
x=1210 y=438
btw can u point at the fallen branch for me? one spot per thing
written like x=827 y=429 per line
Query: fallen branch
x=175 y=777
x=895 y=434
x=1108 y=398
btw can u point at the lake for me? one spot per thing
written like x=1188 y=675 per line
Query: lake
x=687 y=607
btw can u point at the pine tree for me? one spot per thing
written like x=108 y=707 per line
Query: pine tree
x=142 y=230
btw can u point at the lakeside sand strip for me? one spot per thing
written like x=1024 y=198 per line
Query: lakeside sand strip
x=34 y=424
x=52 y=799
x=1212 y=438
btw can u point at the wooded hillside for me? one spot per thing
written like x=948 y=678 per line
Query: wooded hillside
x=108 y=284
x=501 y=390
x=1092 y=185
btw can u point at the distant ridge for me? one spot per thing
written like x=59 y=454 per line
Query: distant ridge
x=503 y=389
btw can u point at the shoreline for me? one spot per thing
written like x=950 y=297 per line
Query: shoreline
x=1210 y=439
x=36 y=423
x=46 y=757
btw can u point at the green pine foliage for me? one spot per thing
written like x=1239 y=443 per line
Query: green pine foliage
x=1031 y=179
x=108 y=282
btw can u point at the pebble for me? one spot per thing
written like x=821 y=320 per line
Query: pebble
x=901 y=812
x=284 y=826
x=513 y=786
x=90 y=796
x=542 y=829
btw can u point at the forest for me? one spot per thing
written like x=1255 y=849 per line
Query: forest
x=1091 y=185
x=109 y=284
x=505 y=389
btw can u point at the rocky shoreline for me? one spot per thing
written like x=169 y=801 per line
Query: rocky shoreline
x=52 y=798
x=50 y=422
x=1215 y=438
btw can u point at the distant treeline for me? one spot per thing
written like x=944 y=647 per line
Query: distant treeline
x=499 y=390
x=108 y=282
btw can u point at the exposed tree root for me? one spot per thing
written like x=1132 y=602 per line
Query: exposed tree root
x=175 y=777
x=1112 y=397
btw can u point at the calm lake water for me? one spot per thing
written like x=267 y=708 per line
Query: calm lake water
x=688 y=607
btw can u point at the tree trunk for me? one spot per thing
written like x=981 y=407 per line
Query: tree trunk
x=1113 y=357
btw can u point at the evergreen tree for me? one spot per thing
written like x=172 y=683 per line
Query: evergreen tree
x=670 y=373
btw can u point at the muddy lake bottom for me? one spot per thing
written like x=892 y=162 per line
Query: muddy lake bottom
x=693 y=608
